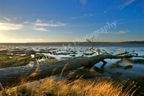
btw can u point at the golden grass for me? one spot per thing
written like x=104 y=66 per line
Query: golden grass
x=79 y=87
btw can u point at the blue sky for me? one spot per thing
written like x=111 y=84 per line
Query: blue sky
x=71 y=20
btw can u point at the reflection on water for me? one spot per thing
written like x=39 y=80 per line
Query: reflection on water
x=137 y=70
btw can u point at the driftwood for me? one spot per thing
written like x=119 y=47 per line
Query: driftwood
x=37 y=71
x=1 y=87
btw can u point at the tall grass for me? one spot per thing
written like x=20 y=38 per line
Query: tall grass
x=79 y=87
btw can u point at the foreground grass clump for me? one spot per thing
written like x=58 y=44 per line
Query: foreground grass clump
x=79 y=87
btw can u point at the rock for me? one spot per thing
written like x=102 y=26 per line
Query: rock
x=127 y=66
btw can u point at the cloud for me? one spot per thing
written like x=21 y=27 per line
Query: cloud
x=40 y=29
x=19 y=39
x=126 y=3
x=26 y=22
x=116 y=33
x=83 y=2
x=89 y=15
x=7 y=19
x=40 y=23
x=7 y=26
x=83 y=16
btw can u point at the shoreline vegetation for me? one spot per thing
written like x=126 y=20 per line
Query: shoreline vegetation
x=57 y=86
x=138 y=43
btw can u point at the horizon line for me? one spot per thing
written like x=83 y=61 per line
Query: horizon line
x=70 y=42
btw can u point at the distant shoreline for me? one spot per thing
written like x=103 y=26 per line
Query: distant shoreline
x=140 y=42
x=77 y=44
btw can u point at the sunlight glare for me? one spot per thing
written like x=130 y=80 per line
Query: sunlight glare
x=2 y=38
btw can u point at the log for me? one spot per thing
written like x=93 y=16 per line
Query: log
x=37 y=71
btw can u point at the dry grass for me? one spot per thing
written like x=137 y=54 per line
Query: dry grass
x=79 y=87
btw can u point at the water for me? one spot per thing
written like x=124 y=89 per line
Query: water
x=137 y=70
x=80 y=49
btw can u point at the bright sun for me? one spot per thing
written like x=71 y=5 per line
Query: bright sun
x=3 y=38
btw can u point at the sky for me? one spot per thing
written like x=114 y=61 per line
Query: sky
x=71 y=20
